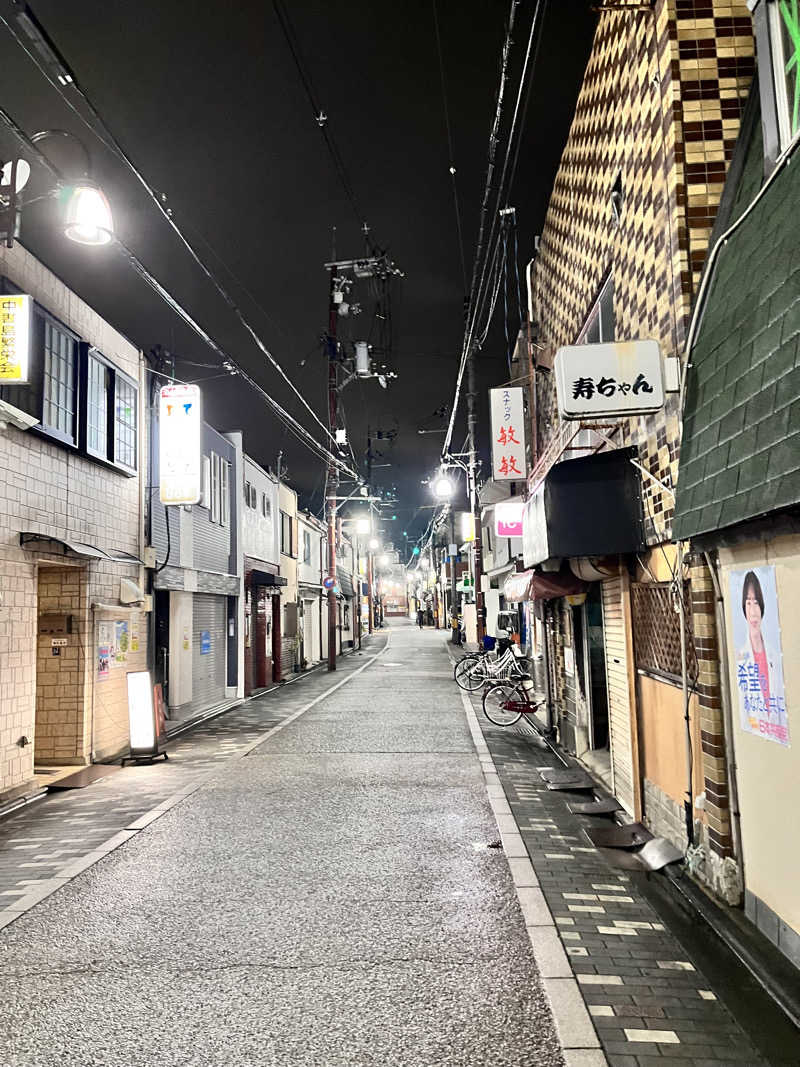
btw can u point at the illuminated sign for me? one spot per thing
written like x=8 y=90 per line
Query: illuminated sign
x=141 y=715
x=617 y=378
x=467 y=526
x=180 y=453
x=508 y=434
x=508 y=518
x=16 y=317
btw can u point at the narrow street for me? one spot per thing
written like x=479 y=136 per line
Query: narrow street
x=326 y=897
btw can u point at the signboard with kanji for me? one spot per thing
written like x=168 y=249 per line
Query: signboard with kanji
x=180 y=456
x=15 y=337
x=508 y=434
x=614 y=379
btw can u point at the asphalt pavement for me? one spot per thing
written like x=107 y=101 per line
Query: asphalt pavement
x=325 y=894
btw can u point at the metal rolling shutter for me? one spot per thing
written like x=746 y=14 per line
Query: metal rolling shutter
x=619 y=713
x=209 y=615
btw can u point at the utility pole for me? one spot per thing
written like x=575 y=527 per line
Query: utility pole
x=454 y=631
x=472 y=422
x=333 y=473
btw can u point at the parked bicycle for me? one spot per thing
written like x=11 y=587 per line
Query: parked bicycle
x=504 y=703
x=474 y=670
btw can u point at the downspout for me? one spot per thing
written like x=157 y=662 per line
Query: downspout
x=688 y=804
x=727 y=713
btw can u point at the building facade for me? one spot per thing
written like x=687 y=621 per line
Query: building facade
x=197 y=583
x=312 y=552
x=262 y=580
x=290 y=609
x=738 y=501
x=619 y=259
x=73 y=617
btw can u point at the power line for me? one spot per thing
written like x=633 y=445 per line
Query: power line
x=450 y=151
x=46 y=47
x=229 y=363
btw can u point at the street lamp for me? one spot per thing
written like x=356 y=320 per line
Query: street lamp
x=87 y=219
x=383 y=561
x=363 y=526
x=374 y=544
x=443 y=487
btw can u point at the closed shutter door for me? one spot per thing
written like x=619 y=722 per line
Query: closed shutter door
x=209 y=650
x=619 y=707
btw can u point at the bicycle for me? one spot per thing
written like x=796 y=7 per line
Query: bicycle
x=504 y=703
x=473 y=671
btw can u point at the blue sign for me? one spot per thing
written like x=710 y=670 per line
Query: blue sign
x=205 y=642
x=329 y=582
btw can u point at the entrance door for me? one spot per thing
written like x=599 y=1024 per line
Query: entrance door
x=161 y=673
x=59 y=727
x=263 y=637
x=598 y=721
x=619 y=696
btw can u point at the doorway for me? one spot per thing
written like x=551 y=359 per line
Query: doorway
x=60 y=731
x=590 y=677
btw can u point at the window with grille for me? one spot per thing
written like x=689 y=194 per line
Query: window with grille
x=98 y=379
x=657 y=631
x=125 y=422
x=60 y=382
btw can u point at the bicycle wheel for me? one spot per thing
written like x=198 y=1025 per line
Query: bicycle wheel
x=459 y=662
x=495 y=700
x=471 y=673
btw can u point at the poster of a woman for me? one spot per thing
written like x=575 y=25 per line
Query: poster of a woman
x=759 y=663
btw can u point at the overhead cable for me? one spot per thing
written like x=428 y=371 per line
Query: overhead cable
x=45 y=46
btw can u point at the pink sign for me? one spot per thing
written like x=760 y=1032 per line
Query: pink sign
x=508 y=518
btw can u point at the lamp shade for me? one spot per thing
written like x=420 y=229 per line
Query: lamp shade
x=443 y=487
x=88 y=216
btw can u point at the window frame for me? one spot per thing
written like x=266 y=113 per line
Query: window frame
x=596 y=315
x=88 y=353
x=45 y=319
x=771 y=60
x=287 y=527
x=307 y=547
x=214 y=502
x=119 y=376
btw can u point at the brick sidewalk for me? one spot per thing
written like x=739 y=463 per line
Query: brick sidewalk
x=44 y=845
x=648 y=1002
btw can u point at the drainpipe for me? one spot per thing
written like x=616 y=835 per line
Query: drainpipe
x=688 y=805
x=727 y=713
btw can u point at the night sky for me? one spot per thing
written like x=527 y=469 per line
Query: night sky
x=207 y=101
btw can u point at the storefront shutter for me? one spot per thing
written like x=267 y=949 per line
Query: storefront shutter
x=209 y=667
x=619 y=714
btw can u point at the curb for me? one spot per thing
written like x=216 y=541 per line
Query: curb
x=576 y=1032
x=46 y=889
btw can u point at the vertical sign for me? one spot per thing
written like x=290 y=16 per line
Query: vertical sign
x=759 y=656
x=180 y=453
x=15 y=337
x=508 y=434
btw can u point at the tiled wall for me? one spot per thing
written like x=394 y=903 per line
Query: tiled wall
x=659 y=113
x=48 y=490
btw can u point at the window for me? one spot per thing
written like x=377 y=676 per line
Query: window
x=98 y=381
x=224 y=493
x=60 y=391
x=266 y=506
x=777 y=28
x=214 y=502
x=125 y=421
x=599 y=326
x=286 y=534
x=248 y=495
x=306 y=546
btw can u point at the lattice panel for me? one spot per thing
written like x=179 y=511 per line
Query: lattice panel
x=657 y=631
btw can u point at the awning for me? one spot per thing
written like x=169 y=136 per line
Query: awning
x=267 y=578
x=345 y=583
x=77 y=548
x=528 y=585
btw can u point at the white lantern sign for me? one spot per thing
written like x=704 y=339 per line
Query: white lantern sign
x=508 y=434
x=609 y=380
x=180 y=452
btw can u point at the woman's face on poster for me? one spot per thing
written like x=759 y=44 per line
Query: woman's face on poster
x=752 y=609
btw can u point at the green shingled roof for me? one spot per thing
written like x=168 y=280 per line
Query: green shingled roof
x=740 y=456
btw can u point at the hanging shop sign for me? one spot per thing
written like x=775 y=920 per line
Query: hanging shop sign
x=508 y=434
x=759 y=656
x=606 y=380
x=16 y=321
x=180 y=453
x=508 y=518
x=467 y=526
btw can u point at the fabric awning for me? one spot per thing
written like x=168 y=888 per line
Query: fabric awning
x=78 y=548
x=528 y=585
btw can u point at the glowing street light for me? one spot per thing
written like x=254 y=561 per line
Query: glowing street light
x=87 y=219
x=443 y=487
x=374 y=543
x=383 y=561
x=363 y=526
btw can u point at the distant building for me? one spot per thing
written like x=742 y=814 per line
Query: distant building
x=261 y=526
x=312 y=550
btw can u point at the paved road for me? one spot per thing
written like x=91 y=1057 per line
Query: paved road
x=327 y=899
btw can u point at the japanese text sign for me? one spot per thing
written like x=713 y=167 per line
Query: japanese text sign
x=15 y=337
x=508 y=517
x=758 y=654
x=508 y=434
x=180 y=454
x=614 y=379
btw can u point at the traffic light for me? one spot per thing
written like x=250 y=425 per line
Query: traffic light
x=415 y=550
